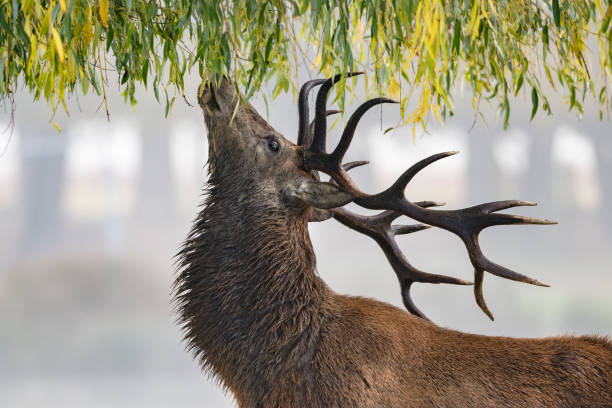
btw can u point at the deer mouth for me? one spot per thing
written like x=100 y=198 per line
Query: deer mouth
x=218 y=97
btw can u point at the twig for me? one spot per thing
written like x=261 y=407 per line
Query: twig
x=103 y=87
x=10 y=127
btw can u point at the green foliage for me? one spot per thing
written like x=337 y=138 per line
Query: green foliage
x=424 y=46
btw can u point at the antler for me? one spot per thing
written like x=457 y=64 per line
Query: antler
x=304 y=132
x=466 y=223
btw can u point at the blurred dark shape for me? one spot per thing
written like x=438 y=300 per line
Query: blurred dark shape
x=537 y=184
x=483 y=174
x=155 y=198
x=601 y=133
x=155 y=208
x=42 y=154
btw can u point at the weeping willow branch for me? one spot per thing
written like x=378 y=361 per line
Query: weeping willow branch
x=498 y=48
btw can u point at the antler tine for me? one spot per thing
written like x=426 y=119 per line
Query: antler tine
x=304 y=134
x=351 y=165
x=502 y=205
x=320 y=130
x=427 y=204
x=351 y=126
x=480 y=261
x=478 y=278
x=409 y=303
x=394 y=195
x=412 y=171
x=408 y=229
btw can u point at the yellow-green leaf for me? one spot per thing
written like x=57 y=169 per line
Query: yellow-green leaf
x=57 y=41
x=86 y=31
x=33 y=49
x=103 y=7
x=534 y=102
x=317 y=61
x=46 y=22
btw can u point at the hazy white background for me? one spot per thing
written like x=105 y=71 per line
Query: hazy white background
x=90 y=220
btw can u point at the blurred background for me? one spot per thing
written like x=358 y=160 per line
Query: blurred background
x=91 y=217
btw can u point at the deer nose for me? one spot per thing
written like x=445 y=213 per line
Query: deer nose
x=207 y=98
x=217 y=96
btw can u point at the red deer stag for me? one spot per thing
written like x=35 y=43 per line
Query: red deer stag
x=260 y=320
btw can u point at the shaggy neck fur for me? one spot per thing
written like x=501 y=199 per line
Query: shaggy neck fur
x=249 y=300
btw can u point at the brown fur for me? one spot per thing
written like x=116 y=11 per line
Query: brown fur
x=260 y=320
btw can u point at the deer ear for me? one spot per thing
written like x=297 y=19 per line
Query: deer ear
x=317 y=194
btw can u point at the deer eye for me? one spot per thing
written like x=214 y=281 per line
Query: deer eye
x=273 y=144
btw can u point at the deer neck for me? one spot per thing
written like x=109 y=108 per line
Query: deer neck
x=248 y=295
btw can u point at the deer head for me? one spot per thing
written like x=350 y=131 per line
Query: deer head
x=243 y=146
